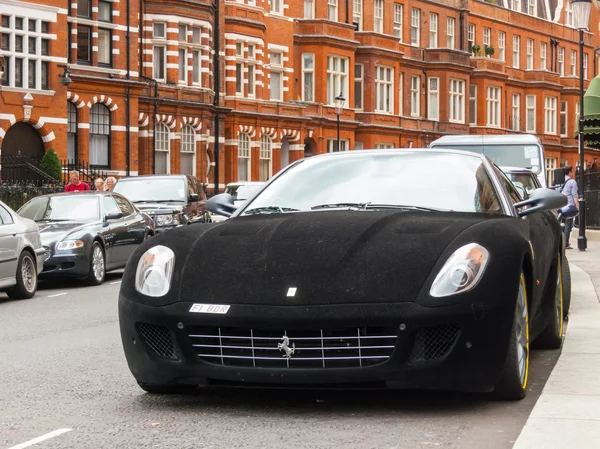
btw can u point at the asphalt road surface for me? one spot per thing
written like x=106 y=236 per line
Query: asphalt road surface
x=64 y=383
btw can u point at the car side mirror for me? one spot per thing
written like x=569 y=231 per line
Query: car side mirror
x=193 y=198
x=113 y=216
x=541 y=200
x=222 y=204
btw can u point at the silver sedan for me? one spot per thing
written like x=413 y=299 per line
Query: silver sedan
x=21 y=254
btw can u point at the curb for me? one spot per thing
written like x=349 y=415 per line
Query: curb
x=567 y=414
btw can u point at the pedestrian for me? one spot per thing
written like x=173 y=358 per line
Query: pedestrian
x=109 y=183
x=99 y=183
x=571 y=210
x=76 y=185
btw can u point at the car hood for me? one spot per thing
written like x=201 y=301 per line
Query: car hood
x=159 y=208
x=333 y=257
x=51 y=232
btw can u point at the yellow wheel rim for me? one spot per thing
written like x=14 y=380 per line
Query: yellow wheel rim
x=523 y=334
x=559 y=301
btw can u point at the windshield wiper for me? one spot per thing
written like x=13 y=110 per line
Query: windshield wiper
x=54 y=219
x=157 y=201
x=270 y=210
x=374 y=206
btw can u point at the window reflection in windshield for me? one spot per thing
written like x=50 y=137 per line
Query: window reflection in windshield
x=152 y=189
x=433 y=180
x=81 y=208
x=523 y=156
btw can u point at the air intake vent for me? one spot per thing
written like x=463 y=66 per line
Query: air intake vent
x=434 y=343
x=159 y=339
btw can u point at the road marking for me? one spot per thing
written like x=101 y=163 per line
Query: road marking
x=40 y=439
x=58 y=294
x=116 y=282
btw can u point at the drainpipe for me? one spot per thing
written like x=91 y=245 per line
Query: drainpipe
x=217 y=90
x=347 y=11
x=462 y=30
x=596 y=61
x=128 y=93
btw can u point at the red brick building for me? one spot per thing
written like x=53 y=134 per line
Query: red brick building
x=139 y=96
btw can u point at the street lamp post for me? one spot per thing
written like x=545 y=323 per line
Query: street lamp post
x=581 y=19
x=339 y=105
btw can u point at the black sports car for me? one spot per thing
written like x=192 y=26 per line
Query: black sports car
x=86 y=234
x=399 y=269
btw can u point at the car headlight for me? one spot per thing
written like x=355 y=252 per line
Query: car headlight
x=154 y=271
x=167 y=220
x=461 y=272
x=69 y=244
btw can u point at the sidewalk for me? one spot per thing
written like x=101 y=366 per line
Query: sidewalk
x=567 y=413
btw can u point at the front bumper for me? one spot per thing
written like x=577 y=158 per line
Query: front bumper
x=472 y=361
x=66 y=264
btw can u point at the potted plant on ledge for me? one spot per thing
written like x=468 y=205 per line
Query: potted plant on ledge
x=489 y=51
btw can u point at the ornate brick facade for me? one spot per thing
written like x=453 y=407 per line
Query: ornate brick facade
x=409 y=71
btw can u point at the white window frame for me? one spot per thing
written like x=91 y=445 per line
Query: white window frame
x=415 y=96
x=265 y=154
x=577 y=115
x=530 y=105
x=378 y=16
x=473 y=104
x=550 y=165
x=188 y=145
x=564 y=118
x=573 y=63
x=494 y=107
x=530 y=44
x=516 y=62
x=161 y=132
x=516 y=112
x=308 y=71
x=276 y=68
x=337 y=78
x=456 y=111
x=415 y=27
x=450 y=31
x=182 y=63
x=332 y=144
x=332 y=10
x=244 y=152
x=384 y=89
x=516 y=5
x=384 y=146
x=543 y=55
x=585 y=66
x=401 y=95
x=532 y=7
x=359 y=86
x=357 y=13
x=398 y=20
x=550 y=106
x=434 y=20
x=433 y=98
x=471 y=31
x=252 y=70
x=277 y=7
x=487 y=37
x=561 y=61
x=309 y=9
x=569 y=14
x=502 y=46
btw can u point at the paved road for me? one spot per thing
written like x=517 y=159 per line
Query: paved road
x=62 y=367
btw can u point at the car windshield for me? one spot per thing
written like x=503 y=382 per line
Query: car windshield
x=523 y=156
x=152 y=190
x=439 y=181
x=80 y=208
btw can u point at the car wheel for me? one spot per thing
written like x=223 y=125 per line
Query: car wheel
x=552 y=336
x=513 y=382
x=566 y=274
x=27 y=280
x=168 y=389
x=97 y=270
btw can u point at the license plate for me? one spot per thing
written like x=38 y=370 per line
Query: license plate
x=220 y=309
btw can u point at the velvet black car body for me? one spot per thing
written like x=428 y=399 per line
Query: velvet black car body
x=346 y=296
x=87 y=234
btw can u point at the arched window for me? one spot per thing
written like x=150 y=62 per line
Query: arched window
x=266 y=156
x=162 y=146
x=100 y=135
x=71 y=131
x=243 y=157
x=187 y=156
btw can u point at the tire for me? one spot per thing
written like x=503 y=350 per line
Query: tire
x=513 y=381
x=168 y=389
x=552 y=336
x=566 y=270
x=27 y=279
x=96 y=277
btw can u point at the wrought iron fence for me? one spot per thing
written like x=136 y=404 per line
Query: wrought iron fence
x=23 y=169
x=591 y=192
x=87 y=173
x=16 y=194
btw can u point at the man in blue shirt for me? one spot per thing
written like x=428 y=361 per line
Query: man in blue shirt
x=572 y=208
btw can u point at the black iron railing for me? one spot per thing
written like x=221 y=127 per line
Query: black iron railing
x=87 y=173
x=24 y=169
x=16 y=194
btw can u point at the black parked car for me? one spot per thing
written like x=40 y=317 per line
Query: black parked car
x=171 y=200
x=87 y=234
x=398 y=269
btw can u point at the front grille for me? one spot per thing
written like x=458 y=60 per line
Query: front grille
x=47 y=253
x=159 y=339
x=434 y=342
x=320 y=348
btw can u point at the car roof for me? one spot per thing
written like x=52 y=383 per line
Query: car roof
x=86 y=192
x=244 y=183
x=133 y=178
x=399 y=152
x=517 y=170
x=504 y=139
